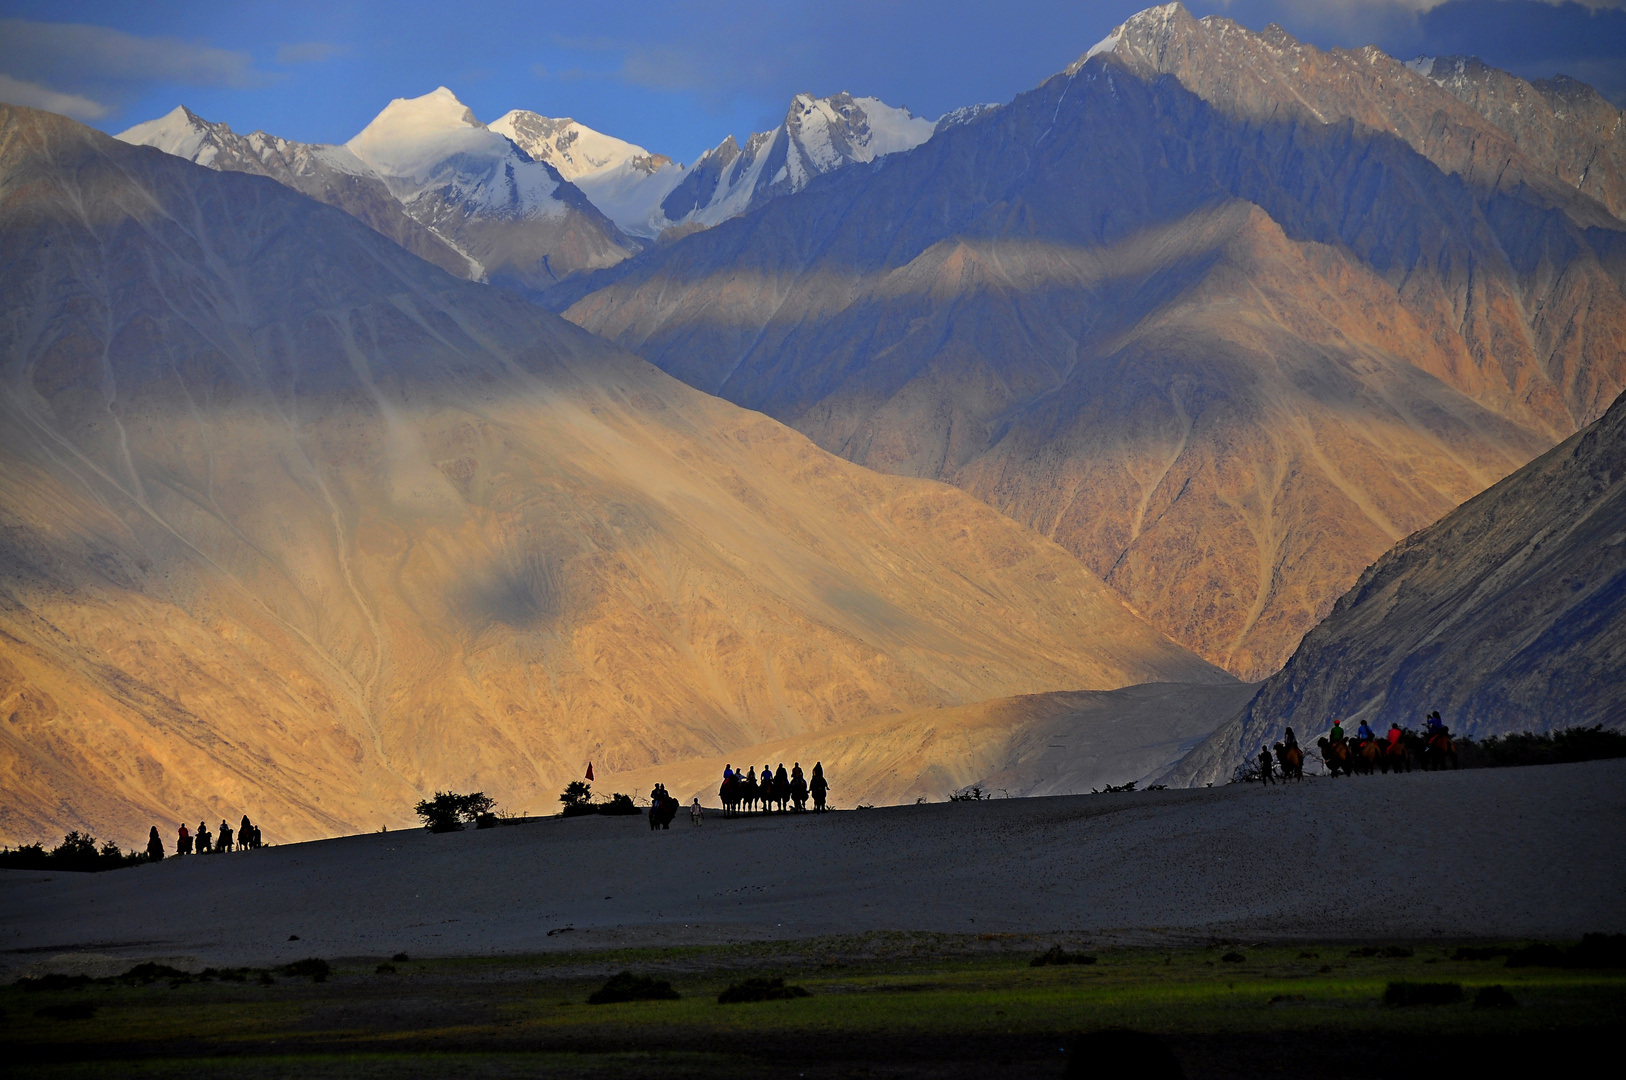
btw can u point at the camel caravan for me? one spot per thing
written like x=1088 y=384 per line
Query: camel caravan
x=1397 y=752
x=746 y=792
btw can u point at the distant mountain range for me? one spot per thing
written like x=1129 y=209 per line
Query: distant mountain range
x=1224 y=314
x=294 y=523
x=529 y=200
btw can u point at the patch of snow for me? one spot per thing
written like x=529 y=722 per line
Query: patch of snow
x=1423 y=65
x=1106 y=44
x=180 y=132
x=893 y=130
x=574 y=149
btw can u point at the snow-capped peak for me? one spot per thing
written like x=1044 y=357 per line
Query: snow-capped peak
x=575 y=149
x=1106 y=44
x=181 y=132
x=1423 y=65
x=434 y=143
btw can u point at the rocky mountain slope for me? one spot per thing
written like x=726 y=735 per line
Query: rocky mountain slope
x=1563 y=124
x=1224 y=314
x=1508 y=615
x=293 y=523
x=623 y=180
x=429 y=176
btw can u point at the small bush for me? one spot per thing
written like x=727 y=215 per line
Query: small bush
x=1114 y=789
x=1422 y=993
x=578 y=799
x=400 y=958
x=1058 y=955
x=1233 y=958
x=448 y=811
x=1396 y=952
x=1593 y=951
x=619 y=806
x=974 y=793
x=318 y=970
x=150 y=972
x=77 y=853
x=1494 y=997
x=1365 y=952
x=629 y=987
x=760 y=990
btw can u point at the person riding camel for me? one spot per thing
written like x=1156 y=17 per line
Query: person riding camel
x=796 y=772
x=728 y=773
x=1290 y=740
x=1435 y=725
x=1394 y=733
x=1364 y=733
x=1337 y=733
x=202 y=844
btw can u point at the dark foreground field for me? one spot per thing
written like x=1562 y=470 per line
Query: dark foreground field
x=882 y=1005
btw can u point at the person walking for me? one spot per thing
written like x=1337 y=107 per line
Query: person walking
x=155 y=846
x=695 y=813
x=1264 y=766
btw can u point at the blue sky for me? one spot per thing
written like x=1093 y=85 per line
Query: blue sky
x=674 y=75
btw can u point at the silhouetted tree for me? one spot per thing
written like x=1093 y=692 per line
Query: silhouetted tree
x=578 y=799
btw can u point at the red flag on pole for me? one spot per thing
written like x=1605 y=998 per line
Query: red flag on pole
x=589 y=770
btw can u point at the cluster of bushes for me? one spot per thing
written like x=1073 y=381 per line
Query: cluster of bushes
x=78 y=852
x=629 y=987
x=1058 y=955
x=578 y=801
x=1570 y=744
x=1592 y=951
x=146 y=974
x=449 y=811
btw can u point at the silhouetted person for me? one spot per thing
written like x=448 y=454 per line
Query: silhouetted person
x=183 y=841
x=695 y=813
x=202 y=843
x=1289 y=739
x=1264 y=766
x=225 y=836
x=245 y=833
x=818 y=787
x=796 y=771
x=155 y=846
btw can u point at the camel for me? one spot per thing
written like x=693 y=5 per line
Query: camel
x=661 y=813
x=1291 y=759
x=1438 y=750
x=1335 y=755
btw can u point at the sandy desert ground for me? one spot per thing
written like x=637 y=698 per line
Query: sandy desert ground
x=1489 y=853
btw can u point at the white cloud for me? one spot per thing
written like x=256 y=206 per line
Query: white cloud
x=307 y=52
x=76 y=53
x=35 y=96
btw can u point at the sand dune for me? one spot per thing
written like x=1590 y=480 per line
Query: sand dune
x=1496 y=852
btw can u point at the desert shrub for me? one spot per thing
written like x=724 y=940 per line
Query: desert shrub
x=1363 y=953
x=384 y=969
x=974 y=793
x=443 y=813
x=77 y=853
x=318 y=970
x=578 y=799
x=629 y=987
x=760 y=990
x=1114 y=789
x=1422 y=993
x=1493 y=997
x=400 y=958
x=1058 y=955
x=1566 y=745
x=1233 y=957
x=1245 y=773
x=486 y=821
x=150 y=972
x=619 y=805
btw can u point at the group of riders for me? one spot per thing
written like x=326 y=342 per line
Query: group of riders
x=1394 y=751
x=773 y=788
x=246 y=837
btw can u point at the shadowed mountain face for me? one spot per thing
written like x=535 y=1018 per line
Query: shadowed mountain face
x=1508 y=615
x=293 y=523
x=1225 y=315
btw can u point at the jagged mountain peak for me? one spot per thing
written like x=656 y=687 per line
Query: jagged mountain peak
x=574 y=149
